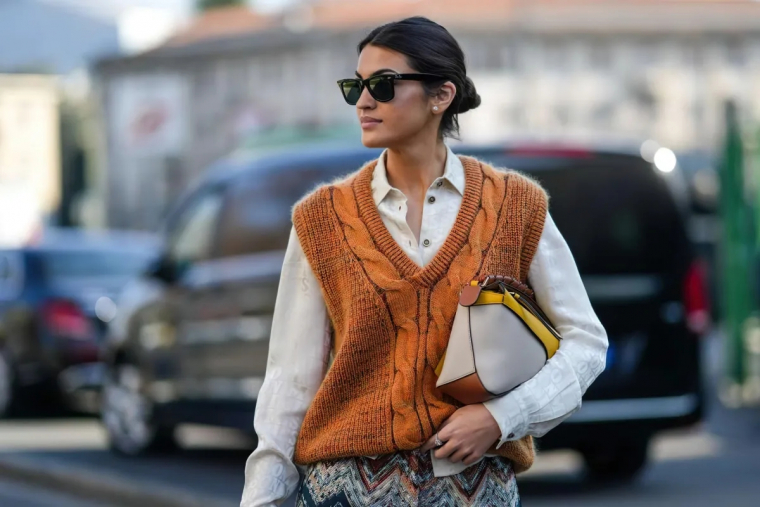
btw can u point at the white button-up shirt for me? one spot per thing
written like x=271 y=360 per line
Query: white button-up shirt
x=299 y=347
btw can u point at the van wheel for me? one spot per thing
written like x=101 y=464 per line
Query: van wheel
x=621 y=462
x=127 y=415
x=7 y=386
x=10 y=403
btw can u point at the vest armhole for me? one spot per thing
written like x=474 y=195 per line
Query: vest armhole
x=537 y=201
x=305 y=212
x=311 y=204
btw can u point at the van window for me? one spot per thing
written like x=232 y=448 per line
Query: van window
x=616 y=213
x=72 y=264
x=192 y=238
x=5 y=269
x=10 y=275
x=257 y=216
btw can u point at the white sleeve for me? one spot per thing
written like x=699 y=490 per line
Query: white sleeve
x=555 y=393
x=299 y=348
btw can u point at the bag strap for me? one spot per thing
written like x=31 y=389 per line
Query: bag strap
x=501 y=283
x=488 y=280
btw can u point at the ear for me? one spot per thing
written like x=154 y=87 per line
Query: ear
x=443 y=97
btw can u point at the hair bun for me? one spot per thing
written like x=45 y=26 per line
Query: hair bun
x=470 y=98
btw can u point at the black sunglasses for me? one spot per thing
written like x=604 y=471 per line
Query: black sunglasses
x=382 y=87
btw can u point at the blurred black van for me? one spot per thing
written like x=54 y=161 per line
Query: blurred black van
x=190 y=342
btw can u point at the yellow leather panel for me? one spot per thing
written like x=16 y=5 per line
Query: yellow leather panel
x=550 y=342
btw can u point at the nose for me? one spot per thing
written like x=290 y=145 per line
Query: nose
x=366 y=101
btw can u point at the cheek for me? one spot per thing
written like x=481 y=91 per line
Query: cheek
x=408 y=113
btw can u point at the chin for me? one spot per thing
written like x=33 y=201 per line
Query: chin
x=370 y=140
x=378 y=140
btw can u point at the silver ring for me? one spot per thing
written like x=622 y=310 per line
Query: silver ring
x=438 y=442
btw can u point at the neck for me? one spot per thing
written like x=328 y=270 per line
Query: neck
x=413 y=168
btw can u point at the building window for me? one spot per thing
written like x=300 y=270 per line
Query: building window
x=556 y=56
x=599 y=55
x=509 y=57
x=647 y=53
x=492 y=57
x=735 y=53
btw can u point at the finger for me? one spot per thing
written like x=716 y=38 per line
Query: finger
x=459 y=455
x=447 y=450
x=429 y=444
x=471 y=458
x=447 y=421
x=446 y=430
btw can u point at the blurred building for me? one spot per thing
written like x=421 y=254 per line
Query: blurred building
x=637 y=68
x=64 y=38
x=57 y=38
x=41 y=156
x=29 y=155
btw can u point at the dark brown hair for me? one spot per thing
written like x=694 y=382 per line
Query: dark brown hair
x=430 y=48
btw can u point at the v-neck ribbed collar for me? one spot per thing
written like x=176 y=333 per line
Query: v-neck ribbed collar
x=437 y=267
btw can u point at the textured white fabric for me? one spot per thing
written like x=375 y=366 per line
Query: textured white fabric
x=438 y=217
x=300 y=340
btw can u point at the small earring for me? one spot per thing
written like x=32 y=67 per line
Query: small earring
x=435 y=108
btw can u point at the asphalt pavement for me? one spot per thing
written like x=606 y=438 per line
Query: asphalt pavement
x=16 y=494
x=718 y=465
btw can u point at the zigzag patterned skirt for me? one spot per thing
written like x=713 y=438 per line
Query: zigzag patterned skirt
x=406 y=479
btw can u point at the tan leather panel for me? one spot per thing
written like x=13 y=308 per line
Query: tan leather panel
x=468 y=390
x=469 y=295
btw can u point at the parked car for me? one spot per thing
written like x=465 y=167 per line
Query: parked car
x=55 y=300
x=195 y=348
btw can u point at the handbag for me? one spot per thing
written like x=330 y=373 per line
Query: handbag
x=500 y=338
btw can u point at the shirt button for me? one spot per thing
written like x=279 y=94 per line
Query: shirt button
x=511 y=435
x=439 y=184
x=431 y=199
x=426 y=242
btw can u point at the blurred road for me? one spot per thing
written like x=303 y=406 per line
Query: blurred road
x=209 y=466
x=14 y=494
x=715 y=464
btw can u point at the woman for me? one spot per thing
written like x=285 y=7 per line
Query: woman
x=370 y=282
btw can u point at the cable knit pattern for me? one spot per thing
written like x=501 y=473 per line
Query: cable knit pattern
x=392 y=318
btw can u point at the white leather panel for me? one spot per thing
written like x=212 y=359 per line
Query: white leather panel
x=506 y=351
x=459 y=359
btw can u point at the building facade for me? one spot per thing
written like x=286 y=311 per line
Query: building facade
x=635 y=69
x=29 y=155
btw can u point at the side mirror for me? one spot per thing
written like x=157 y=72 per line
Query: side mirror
x=164 y=269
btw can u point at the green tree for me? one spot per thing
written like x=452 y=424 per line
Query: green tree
x=204 y=5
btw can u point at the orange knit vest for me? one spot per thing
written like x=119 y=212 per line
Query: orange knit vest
x=392 y=318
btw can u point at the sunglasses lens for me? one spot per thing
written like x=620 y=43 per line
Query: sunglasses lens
x=352 y=90
x=381 y=88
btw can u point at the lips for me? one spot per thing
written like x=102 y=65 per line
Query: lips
x=368 y=121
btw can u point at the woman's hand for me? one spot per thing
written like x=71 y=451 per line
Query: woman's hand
x=467 y=434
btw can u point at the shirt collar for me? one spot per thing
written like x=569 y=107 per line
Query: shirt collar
x=453 y=173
